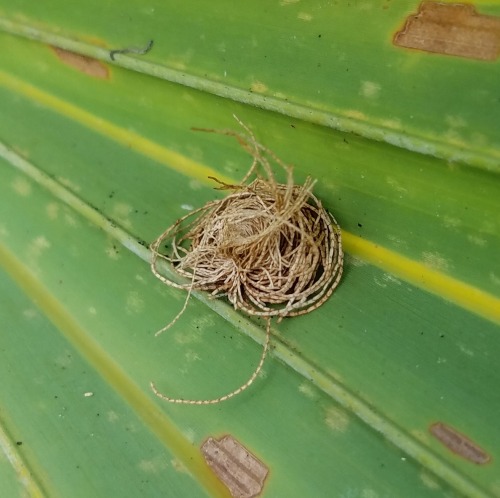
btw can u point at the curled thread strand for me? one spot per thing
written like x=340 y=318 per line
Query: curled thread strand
x=237 y=391
x=270 y=248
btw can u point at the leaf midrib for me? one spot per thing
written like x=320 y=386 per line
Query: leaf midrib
x=281 y=349
x=416 y=142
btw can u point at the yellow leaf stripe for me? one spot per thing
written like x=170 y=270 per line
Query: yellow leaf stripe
x=460 y=293
x=142 y=400
x=125 y=137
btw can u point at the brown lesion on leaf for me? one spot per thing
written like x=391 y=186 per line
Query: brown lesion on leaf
x=243 y=473
x=86 y=65
x=451 y=29
x=459 y=444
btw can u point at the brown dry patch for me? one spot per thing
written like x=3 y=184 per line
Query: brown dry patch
x=458 y=443
x=235 y=466
x=451 y=29
x=87 y=65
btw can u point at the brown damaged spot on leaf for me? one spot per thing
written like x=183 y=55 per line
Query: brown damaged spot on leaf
x=459 y=444
x=235 y=466
x=451 y=29
x=82 y=63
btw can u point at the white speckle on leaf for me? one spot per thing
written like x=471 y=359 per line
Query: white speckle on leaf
x=355 y=114
x=263 y=373
x=153 y=465
x=369 y=89
x=304 y=16
x=64 y=360
x=112 y=253
x=398 y=241
x=135 y=304
x=379 y=283
x=191 y=356
x=356 y=261
x=70 y=220
x=195 y=184
x=39 y=245
x=451 y=222
x=435 y=261
x=230 y=167
x=52 y=210
x=92 y=310
x=465 y=350
x=387 y=277
x=307 y=390
x=475 y=239
x=22 y=186
x=112 y=416
x=396 y=185
x=494 y=278
x=196 y=153
x=88 y=394
x=332 y=186
x=187 y=207
x=393 y=124
x=188 y=335
x=336 y=419
x=30 y=313
x=455 y=121
x=189 y=434
x=178 y=466
x=258 y=87
x=176 y=63
x=203 y=321
x=121 y=211
x=454 y=137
